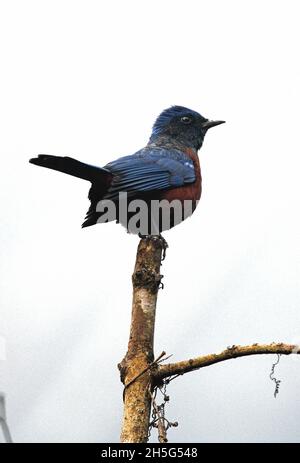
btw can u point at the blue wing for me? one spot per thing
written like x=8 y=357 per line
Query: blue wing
x=150 y=169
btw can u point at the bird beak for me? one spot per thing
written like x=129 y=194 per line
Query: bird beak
x=209 y=124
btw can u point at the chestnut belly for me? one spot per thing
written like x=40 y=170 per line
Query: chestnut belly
x=153 y=213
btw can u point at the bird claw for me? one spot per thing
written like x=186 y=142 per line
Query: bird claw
x=143 y=237
x=159 y=238
x=164 y=246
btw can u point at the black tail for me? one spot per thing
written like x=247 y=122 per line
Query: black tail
x=71 y=166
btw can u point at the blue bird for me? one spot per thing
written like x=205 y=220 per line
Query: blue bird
x=167 y=169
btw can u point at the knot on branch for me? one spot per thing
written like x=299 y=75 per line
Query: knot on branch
x=232 y=349
x=122 y=366
x=147 y=279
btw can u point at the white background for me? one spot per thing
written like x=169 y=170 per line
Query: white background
x=87 y=79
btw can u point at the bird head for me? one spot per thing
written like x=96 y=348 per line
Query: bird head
x=183 y=125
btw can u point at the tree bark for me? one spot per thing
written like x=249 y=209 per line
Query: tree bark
x=135 y=368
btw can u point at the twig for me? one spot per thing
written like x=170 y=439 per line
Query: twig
x=160 y=419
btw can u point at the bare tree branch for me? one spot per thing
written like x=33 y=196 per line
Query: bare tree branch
x=180 y=368
x=136 y=366
x=140 y=373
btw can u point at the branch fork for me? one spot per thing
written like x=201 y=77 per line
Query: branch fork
x=140 y=373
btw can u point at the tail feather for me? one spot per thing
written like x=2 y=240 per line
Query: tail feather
x=98 y=176
x=71 y=166
x=91 y=219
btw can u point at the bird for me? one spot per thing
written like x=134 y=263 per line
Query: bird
x=153 y=189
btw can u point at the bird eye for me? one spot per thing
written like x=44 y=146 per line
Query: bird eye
x=186 y=119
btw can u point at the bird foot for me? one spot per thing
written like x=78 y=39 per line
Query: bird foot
x=159 y=238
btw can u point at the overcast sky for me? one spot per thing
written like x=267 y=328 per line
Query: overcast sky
x=87 y=79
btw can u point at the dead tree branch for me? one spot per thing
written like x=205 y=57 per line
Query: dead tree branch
x=185 y=366
x=141 y=375
x=136 y=366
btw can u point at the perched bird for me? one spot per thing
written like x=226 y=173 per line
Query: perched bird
x=147 y=184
